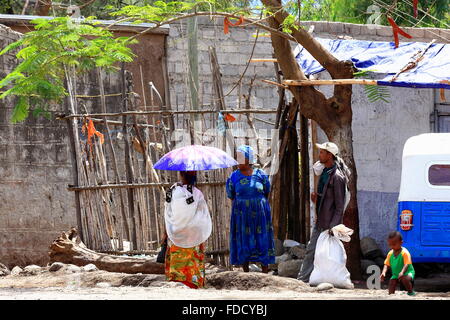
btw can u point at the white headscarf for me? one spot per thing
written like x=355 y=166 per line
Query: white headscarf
x=187 y=225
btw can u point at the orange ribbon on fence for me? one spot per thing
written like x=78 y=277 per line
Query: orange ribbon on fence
x=396 y=30
x=227 y=23
x=228 y=117
x=91 y=131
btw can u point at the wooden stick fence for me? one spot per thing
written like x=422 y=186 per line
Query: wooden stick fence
x=120 y=196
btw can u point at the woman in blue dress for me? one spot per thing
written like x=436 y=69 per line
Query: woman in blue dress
x=251 y=230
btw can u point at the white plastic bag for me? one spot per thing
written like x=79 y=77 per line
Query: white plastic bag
x=329 y=263
x=342 y=232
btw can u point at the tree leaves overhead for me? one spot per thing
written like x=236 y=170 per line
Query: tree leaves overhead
x=160 y=11
x=38 y=79
x=374 y=93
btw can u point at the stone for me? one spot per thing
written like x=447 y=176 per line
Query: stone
x=289 y=268
x=379 y=261
x=16 y=271
x=89 y=268
x=254 y=268
x=103 y=285
x=284 y=257
x=71 y=268
x=290 y=243
x=297 y=252
x=324 y=286
x=56 y=266
x=31 y=270
x=365 y=264
x=137 y=280
x=4 y=271
x=370 y=249
x=279 y=248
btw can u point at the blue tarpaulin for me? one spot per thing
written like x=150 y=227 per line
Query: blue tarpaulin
x=383 y=57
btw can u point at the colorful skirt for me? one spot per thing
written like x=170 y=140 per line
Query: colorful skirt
x=186 y=265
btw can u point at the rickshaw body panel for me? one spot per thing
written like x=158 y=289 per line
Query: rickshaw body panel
x=428 y=239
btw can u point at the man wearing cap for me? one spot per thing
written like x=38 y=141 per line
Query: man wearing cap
x=330 y=201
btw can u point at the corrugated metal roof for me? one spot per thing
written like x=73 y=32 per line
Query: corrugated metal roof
x=17 y=19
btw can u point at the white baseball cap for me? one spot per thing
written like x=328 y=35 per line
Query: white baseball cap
x=329 y=146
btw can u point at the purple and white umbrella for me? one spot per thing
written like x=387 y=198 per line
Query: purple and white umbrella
x=195 y=158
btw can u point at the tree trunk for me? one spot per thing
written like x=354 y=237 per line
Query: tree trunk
x=343 y=137
x=333 y=115
x=68 y=248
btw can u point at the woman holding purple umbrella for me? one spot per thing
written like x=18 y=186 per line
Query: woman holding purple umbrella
x=188 y=226
x=251 y=230
x=188 y=222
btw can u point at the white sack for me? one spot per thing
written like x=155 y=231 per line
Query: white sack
x=329 y=263
x=342 y=232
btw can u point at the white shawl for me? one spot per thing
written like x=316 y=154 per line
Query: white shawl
x=187 y=225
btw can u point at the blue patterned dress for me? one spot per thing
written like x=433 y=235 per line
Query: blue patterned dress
x=251 y=231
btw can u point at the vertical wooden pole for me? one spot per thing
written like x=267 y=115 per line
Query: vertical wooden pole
x=192 y=29
x=114 y=159
x=129 y=171
x=75 y=149
x=304 y=180
x=219 y=96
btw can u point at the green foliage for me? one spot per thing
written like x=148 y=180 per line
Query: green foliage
x=289 y=24
x=356 y=11
x=374 y=93
x=44 y=53
x=160 y=11
x=377 y=93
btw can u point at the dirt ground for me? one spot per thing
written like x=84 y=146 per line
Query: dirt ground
x=101 y=285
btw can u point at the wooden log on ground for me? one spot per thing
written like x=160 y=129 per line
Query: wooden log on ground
x=68 y=248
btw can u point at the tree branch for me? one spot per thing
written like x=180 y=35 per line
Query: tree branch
x=216 y=14
x=314 y=47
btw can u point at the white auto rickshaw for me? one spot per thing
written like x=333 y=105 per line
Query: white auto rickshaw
x=424 y=199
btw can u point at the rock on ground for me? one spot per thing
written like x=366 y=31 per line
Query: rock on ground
x=142 y=280
x=254 y=268
x=254 y=281
x=89 y=268
x=71 y=268
x=16 y=271
x=379 y=261
x=290 y=243
x=284 y=257
x=324 y=286
x=103 y=285
x=370 y=249
x=289 y=268
x=298 y=252
x=56 y=266
x=365 y=264
x=4 y=271
x=31 y=270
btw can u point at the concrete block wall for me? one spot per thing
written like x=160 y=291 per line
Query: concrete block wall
x=34 y=172
x=35 y=169
x=233 y=52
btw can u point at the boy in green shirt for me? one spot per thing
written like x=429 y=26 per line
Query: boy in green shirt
x=399 y=260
